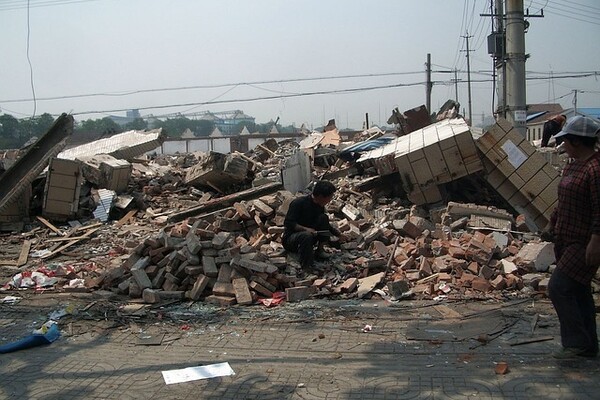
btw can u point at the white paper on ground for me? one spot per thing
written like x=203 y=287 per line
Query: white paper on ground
x=195 y=373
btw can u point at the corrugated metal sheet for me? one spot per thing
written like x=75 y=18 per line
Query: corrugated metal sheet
x=416 y=140
x=367 y=145
x=103 y=208
x=126 y=146
x=533 y=116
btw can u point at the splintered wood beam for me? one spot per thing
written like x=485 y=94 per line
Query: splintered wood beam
x=50 y=226
x=126 y=218
x=24 y=253
x=69 y=244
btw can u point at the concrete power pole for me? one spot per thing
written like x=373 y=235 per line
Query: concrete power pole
x=429 y=84
x=467 y=37
x=516 y=102
x=499 y=60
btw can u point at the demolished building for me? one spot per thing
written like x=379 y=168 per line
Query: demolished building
x=208 y=226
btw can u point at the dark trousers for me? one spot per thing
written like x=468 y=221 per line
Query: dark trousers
x=303 y=243
x=576 y=311
x=550 y=129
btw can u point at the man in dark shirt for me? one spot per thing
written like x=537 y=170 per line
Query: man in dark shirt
x=307 y=226
x=551 y=128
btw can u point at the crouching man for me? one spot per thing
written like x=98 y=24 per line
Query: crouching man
x=307 y=226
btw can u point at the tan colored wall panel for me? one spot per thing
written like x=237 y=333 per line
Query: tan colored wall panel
x=62 y=181
x=57 y=207
x=495 y=178
x=416 y=155
x=537 y=184
x=61 y=194
x=550 y=192
x=517 y=181
x=436 y=162
x=550 y=171
x=422 y=172
x=455 y=163
x=531 y=166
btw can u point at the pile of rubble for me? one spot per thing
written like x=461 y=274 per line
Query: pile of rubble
x=208 y=226
x=238 y=258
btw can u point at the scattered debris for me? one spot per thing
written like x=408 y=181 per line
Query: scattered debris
x=207 y=226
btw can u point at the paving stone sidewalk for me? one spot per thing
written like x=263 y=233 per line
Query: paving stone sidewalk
x=309 y=350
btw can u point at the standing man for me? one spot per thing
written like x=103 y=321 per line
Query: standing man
x=552 y=127
x=307 y=226
x=575 y=225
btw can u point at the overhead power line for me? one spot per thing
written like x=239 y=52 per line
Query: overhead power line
x=17 y=5
x=214 y=86
x=588 y=15
x=340 y=91
x=314 y=93
x=547 y=75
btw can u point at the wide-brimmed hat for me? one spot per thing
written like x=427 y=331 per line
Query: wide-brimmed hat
x=580 y=126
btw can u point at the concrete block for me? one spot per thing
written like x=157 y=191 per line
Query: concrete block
x=540 y=255
x=220 y=300
x=210 y=267
x=198 y=287
x=299 y=293
x=242 y=292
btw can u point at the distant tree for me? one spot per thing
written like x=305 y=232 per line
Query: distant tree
x=174 y=127
x=264 y=128
x=26 y=130
x=14 y=132
x=101 y=127
x=251 y=126
x=137 y=124
x=286 y=129
x=9 y=126
x=203 y=127
x=9 y=132
x=43 y=124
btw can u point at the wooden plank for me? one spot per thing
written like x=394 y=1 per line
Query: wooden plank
x=126 y=218
x=86 y=227
x=24 y=253
x=64 y=239
x=8 y=263
x=226 y=201
x=69 y=244
x=532 y=340
x=260 y=146
x=49 y=225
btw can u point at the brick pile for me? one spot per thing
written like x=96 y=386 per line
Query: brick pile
x=236 y=257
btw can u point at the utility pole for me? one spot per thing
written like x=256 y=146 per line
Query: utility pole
x=429 y=84
x=497 y=49
x=456 y=85
x=467 y=37
x=499 y=63
x=515 y=66
x=575 y=101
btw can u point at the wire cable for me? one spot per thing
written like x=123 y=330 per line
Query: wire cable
x=293 y=80
x=339 y=91
x=30 y=64
x=6 y=6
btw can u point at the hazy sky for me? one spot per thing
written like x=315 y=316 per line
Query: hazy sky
x=223 y=50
